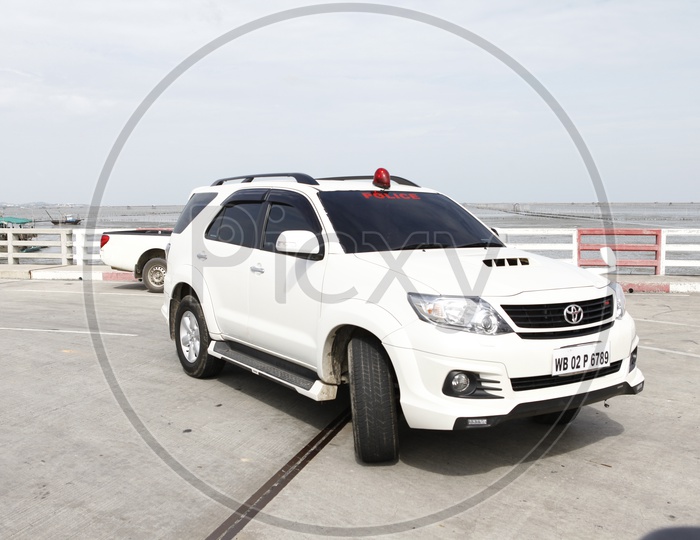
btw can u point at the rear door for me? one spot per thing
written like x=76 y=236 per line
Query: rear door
x=225 y=260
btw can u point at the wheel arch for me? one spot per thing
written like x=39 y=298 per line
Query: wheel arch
x=144 y=258
x=335 y=353
x=177 y=294
x=339 y=323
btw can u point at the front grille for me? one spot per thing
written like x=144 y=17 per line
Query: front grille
x=566 y=333
x=547 y=381
x=552 y=315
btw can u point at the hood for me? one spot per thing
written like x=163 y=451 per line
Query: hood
x=493 y=272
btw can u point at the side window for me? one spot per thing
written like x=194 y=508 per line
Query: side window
x=237 y=224
x=194 y=206
x=288 y=211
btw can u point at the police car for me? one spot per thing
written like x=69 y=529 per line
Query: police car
x=397 y=291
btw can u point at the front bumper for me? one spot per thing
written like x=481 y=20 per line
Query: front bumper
x=503 y=361
x=533 y=408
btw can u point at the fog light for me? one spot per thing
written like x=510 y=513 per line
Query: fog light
x=460 y=382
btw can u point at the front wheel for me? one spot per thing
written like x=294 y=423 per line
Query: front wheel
x=192 y=341
x=154 y=274
x=373 y=401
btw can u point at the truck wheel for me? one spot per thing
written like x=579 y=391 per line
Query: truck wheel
x=373 y=401
x=154 y=274
x=558 y=418
x=192 y=341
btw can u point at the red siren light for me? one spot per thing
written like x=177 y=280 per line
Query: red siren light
x=382 y=179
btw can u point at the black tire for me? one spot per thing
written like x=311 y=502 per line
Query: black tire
x=153 y=274
x=373 y=401
x=192 y=341
x=558 y=418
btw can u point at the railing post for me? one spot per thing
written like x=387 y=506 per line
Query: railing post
x=662 y=252
x=69 y=245
x=574 y=246
x=10 y=246
x=79 y=247
x=64 y=248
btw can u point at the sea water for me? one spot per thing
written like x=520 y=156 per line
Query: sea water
x=506 y=215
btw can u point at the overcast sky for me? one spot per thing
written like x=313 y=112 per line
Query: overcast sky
x=345 y=93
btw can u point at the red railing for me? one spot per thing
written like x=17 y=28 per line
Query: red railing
x=618 y=246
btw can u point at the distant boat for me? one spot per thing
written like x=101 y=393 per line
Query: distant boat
x=66 y=219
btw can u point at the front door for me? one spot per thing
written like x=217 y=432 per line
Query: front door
x=285 y=290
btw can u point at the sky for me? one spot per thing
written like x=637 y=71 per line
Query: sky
x=345 y=93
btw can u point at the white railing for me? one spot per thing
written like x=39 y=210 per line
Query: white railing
x=82 y=246
x=670 y=243
x=560 y=244
x=18 y=243
x=564 y=244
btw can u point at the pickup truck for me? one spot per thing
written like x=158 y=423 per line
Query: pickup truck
x=141 y=251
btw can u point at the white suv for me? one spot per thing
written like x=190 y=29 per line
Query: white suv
x=398 y=291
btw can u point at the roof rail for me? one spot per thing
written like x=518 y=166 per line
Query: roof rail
x=397 y=179
x=301 y=178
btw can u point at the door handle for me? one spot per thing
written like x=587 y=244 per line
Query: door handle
x=257 y=269
x=202 y=256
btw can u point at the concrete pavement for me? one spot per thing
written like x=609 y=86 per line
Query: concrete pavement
x=103 y=436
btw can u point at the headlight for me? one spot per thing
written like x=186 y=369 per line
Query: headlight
x=619 y=299
x=463 y=313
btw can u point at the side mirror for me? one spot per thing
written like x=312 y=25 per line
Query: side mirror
x=298 y=243
x=494 y=230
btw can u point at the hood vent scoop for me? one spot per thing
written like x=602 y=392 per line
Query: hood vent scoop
x=511 y=261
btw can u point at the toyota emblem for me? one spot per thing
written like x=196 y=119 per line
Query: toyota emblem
x=573 y=314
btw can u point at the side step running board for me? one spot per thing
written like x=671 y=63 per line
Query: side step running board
x=299 y=378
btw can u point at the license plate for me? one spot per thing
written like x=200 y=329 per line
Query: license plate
x=570 y=360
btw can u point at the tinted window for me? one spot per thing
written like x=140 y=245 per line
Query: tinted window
x=194 y=206
x=387 y=221
x=237 y=224
x=288 y=212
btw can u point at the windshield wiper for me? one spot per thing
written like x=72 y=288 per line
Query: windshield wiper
x=442 y=245
x=484 y=244
x=426 y=245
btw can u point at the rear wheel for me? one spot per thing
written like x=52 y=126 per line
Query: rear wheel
x=154 y=274
x=192 y=341
x=558 y=418
x=373 y=401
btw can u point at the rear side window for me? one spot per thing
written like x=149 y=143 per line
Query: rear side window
x=194 y=206
x=237 y=224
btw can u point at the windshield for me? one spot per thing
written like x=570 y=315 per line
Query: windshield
x=389 y=221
